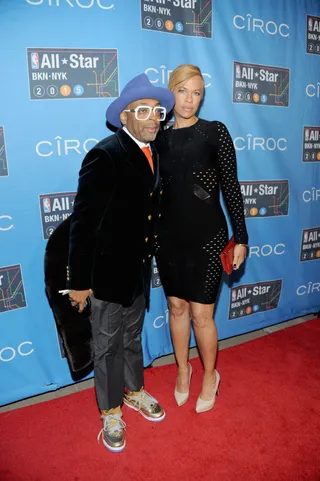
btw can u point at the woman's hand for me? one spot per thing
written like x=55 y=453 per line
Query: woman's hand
x=240 y=253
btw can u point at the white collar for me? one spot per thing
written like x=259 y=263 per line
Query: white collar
x=140 y=144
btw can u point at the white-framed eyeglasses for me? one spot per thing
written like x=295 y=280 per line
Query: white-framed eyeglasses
x=143 y=112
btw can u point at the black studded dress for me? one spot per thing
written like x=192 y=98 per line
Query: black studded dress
x=195 y=162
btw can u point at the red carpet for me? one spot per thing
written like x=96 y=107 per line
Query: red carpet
x=265 y=425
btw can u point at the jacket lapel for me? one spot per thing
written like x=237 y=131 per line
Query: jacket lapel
x=155 y=158
x=134 y=154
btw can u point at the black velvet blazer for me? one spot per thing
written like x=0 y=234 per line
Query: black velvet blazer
x=74 y=328
x=108 y=239
x=112 y=225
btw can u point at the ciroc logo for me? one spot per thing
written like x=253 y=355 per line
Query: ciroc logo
x=311 y=195
x=162 y=74
x=9 y=353
x=267 y=250
x=160 y=321
x=257 y=24
x=63 y=147
x=5 y=222
x=104 y=4
x=249 y=142
x=313 y=90
x=308 y=289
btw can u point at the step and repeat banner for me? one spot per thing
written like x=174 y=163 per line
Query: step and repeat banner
x=64 y=61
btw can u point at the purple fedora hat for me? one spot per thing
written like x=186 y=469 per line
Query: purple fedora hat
x=138 y=88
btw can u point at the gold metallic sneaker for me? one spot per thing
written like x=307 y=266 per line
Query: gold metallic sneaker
x=145 y=404
x=113 y=432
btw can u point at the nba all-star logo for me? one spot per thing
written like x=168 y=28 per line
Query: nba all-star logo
x=54 y=209
x=265 y=198
x=260 y=84
x=12 y=295
x=250 y=299
x=3 y=155
x=155 y=278
x=311 y=144
x=185 y=17
x=310 y=244
x=60 y=73
x=313 y=35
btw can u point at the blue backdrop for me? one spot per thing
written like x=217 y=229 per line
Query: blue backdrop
x=62 y=63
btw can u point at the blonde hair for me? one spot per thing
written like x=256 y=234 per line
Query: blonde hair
x=182 y=74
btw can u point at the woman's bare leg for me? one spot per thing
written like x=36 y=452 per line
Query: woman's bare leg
x=180 y=327
x=207 y=340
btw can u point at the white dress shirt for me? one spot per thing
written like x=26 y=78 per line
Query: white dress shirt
x=141 y=144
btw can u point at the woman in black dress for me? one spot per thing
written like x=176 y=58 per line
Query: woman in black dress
x=197 y=159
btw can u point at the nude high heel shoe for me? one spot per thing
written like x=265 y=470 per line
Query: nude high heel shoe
x=203 y=405
x=182 y=397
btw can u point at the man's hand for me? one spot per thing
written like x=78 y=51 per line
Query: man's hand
x=79 y=298
x=240 y=253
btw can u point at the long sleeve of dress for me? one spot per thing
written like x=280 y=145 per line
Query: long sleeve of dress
x=230 y=185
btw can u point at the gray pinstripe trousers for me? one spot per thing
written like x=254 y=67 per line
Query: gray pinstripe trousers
x=118 y=361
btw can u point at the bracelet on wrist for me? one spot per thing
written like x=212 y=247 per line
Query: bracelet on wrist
x=244 y=245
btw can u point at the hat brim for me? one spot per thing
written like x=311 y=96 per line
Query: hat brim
x=163 y=95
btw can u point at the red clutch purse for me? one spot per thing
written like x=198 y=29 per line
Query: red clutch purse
x=227 y=255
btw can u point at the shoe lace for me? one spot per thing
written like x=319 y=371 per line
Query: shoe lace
x=145 y=399
x=112 y=424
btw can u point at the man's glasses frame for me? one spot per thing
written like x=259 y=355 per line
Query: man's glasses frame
x=143 y=112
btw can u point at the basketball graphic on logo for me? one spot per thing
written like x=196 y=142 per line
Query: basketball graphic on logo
x=169 y=25
x=253 y=211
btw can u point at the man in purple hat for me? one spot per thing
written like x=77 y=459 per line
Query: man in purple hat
x=111 y=247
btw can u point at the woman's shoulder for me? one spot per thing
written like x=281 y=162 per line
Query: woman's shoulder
x=216 y=128
x=212 y=128
x=213 y=124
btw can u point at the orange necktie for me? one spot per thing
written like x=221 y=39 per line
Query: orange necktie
x=147 y=153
